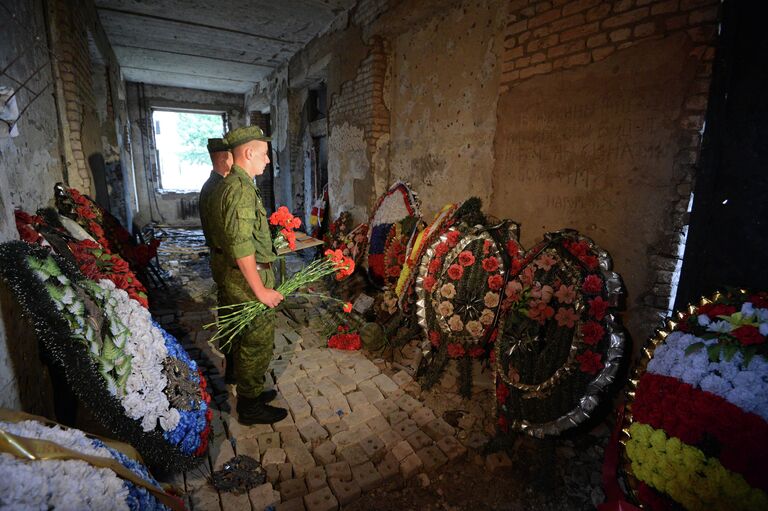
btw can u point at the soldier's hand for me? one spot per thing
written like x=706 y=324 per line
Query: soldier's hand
x=270 y=298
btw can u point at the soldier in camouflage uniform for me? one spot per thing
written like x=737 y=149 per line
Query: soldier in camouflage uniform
x=221 y=158
x=240 y=229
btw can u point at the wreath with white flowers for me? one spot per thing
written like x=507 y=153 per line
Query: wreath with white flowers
x=135 y=378
x=696 y=429
x=96 y=476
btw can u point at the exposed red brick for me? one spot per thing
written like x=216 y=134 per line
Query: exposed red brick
x=544 y=18
x=623 y=5
x=518 y=27
x=578 y=6
x=676 y=22
x=570 y=21
x=567 y=48
x=686 y=5
x=620 y=34
x=644 y=29
x=626 y=18
x=545 y=67
x=601 y=53
x=578 y=32
x=597 y=40
x=665 y=7
x=598 y=12
x=703 y=15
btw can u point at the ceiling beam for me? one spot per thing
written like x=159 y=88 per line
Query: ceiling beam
x=181 y=73
x=201 y=25
x=217 y=59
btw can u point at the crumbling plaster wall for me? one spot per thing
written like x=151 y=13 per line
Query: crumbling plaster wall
x=30 y=164
x=154 y=204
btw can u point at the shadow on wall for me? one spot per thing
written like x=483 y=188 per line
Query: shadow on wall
x=32 y=376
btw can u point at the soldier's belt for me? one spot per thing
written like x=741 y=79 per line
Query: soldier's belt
x=259 y=266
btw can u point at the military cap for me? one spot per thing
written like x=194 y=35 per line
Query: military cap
x=216 y=145
x=240 y=136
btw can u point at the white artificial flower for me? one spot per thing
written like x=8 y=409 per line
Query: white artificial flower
x=703 y=320
x=722 y=326
x=747 y=309
x=475 y=328
x=743 y=386
x=58 y=484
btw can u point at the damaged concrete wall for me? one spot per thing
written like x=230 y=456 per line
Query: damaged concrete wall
x=444 y=89
x=599 y=114
x=30 y=164
x=168 y=208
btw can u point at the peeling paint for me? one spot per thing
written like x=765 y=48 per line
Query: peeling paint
x=347 y=163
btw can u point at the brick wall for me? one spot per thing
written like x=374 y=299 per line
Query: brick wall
x=544 y=36
x=361 y=101
x=74 y=65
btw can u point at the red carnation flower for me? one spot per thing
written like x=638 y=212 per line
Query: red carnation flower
x=487 y=246
x=466 y=258
x=85 y=212
x=434 y=266
x=434 y=338
x=589 y=362
x=748 y=335
x=495 y=282
x=589 y=261
x=714 y=310
x=592 y=332
x=476 y=352
x=491 y=264
x=760 y=300
x=502 y=393
x=441 y=249
x=394 y=271
x=455 y=271
x=429 y=283
x=455 y=350
x=515 y=266
x=453 y=238
x=598 y=307
x=579 y=248
x=347 y=307
x=513 y=249
x=592 y=284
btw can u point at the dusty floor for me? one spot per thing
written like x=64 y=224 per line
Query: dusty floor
x=361 y=434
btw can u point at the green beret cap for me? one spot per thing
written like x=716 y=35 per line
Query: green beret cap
x=240 y=136
x=216 y=145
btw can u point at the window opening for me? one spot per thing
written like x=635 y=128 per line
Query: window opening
x=181 y=140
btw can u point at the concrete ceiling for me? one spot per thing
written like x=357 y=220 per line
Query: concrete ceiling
x=211 y=44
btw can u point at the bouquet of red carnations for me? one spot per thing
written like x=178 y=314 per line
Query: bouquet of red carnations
x=234 y=318
x=284 y=222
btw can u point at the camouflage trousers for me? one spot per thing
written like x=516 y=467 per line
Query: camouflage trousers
x=254 y=345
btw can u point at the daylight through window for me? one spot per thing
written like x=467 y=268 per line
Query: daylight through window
x=181 y=139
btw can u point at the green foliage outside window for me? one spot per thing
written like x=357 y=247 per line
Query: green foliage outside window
x=194 y=131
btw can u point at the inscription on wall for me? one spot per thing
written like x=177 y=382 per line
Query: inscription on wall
x=594 y=149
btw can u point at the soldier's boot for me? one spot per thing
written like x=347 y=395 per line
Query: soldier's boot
x=252 y=411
